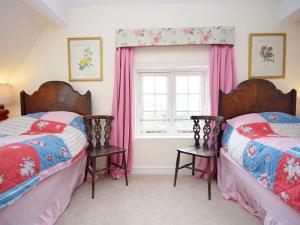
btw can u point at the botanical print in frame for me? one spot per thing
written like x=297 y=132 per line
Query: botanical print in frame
x=85 y=59
x=267 y=55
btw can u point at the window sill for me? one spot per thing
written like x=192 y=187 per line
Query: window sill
x=138 y=137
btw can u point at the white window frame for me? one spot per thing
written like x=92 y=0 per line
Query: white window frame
x=140 y=100
x=172 y=70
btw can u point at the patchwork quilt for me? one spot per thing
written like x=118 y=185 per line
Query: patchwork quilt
x=267 y=145
x=36 y=146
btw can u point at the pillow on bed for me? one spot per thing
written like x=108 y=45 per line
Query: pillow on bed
x=44 y=122
x=269 y=123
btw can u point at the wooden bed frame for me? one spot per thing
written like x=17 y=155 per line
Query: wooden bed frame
x=254 y=96
x=51 y=96
x=56 y=96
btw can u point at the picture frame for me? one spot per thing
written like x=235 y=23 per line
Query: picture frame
x=267 y=54
x=85 y=59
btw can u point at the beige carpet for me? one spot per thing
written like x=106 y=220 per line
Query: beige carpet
x=152 y=200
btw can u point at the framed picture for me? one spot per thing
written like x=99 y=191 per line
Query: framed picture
x=85 y=59
x=267 y=55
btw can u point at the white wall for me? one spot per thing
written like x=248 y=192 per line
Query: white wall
x=48 y=58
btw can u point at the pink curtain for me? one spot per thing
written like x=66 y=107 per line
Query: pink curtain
x=121 y=135
x=222 y=77
x=222 y=73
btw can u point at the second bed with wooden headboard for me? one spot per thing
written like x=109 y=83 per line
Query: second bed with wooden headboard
x=259 y=147
x=254 y=96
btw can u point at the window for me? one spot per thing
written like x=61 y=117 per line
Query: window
x=167 y=97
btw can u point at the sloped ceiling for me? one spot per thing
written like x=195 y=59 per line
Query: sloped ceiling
x=20 y=26
x=289 y=11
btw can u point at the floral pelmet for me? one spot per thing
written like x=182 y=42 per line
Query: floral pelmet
x=174 y=36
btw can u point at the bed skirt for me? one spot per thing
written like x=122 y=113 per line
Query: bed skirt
x=48 y=200
x=237 y=184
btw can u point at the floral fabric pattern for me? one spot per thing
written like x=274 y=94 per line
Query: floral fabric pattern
x=38 y=148
x=174 y=36
x=27 y=167
x=259 y=144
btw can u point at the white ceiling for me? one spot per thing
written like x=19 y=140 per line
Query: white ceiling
x=76 y=3
x=20 y=27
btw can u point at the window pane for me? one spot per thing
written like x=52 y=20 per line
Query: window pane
x=154 y=126
x=161 y=84
x=195 y=113
x=194 y=84
x=159 y=91
x=194 y=102
x=148 y=103
x=181 y=102
x=148 y=84
x=147 y=126
x=161 y=125
x=181 y=84
x=161 y=116
x=161 y=103
x=182 y=115
x=148 y=116
x=184 y=125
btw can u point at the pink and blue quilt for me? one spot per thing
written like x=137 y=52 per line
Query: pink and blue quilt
x=36 y=146
x=267 y=145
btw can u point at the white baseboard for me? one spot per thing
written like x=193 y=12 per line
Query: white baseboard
x=158 y=171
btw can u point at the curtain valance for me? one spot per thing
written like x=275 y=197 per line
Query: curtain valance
x=175 y=36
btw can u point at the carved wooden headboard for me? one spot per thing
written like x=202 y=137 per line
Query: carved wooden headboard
x=252 y=96
x=56 y=96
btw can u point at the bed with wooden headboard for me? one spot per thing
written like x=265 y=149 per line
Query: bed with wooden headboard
x=234 y=180
x=253 y=96
x=56 y=96
x=37 y=205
